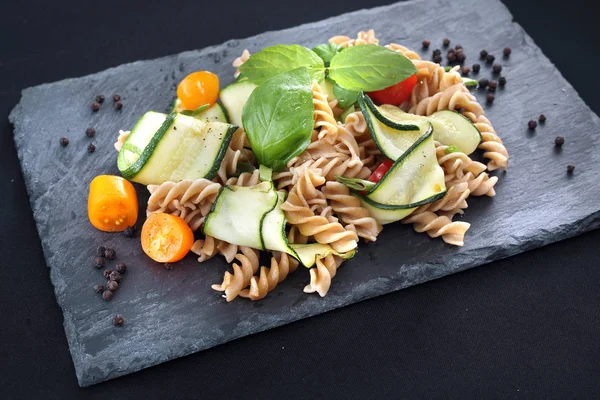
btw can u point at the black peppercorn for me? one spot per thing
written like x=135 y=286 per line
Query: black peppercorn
x=100 y=251
x=116 y=97
x=99 y=262
x=451 y=56
x=168 y=266
x=476 y=68
x=118 y=320
x=64 y=142
x=532 y=124
x=483 y=54
x=490 y=58
x=490 y=98
x=98 y=288
x=466 y=70
x=129 y=232
x=115 y=276
x=437 y=59
x=502 y=81
x=458 y=47
x=426 y=44
x=570 y=168
x=446 y=42
x=91 y=148
x=483 y=82
x=107 y=273
x=436 y=52
x=113 y=286
x=118 y=106
x=497 y=68
x=121 y=268
x=90 y=132
x=110 y=253
x=542 y=118
x=95 y=106
x=559 y=141
x=493 y=85
x=507 y=51
x=100 y=99
x=107 y=295
x=460 y=57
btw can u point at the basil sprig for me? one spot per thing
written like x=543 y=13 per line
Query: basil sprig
x=326 y=51
x=278 y=118
x=272 y=61
x=369 y=67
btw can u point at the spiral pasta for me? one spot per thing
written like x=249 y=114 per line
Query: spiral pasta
x=237 y=63
x=452 y=232
x=233 y=284
x=123 y=135
x=363 y=37
x=323 y=115
x=411 y=55
x=322 y=274
x=491 y=144
x=453 y=97
x=268 y=278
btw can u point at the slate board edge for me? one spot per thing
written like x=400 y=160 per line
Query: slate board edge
x=588 y=223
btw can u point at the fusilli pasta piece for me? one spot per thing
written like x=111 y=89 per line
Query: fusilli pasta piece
x=351 y=211
x=322 y=274
x=452 y=232
x=456 y=96
x=233 y=284
x=404 y=51
x=245 y=179
x=323 y=115
x=237 y=63
x=121 y=139
x=281 y=265
x=363 y=37
x=491 y=144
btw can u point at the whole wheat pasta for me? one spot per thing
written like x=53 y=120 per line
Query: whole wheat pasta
x=411 y=55
x=491 y=144
x=123 y=135
x=324 y=118
x=233 y=284
x=456 y=96
x=237 y=63
x=363 y=37
x=322 y=274
x=268 y=278
x=452 y=232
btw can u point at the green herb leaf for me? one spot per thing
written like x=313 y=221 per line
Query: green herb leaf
x=447 y=68
x=369 y=67
x=326 y=51
x=468 y=82
x=361 y=185
x=193 y=113
x=452 y=149
x=274 y=60
x=278 y=118
x=345 y=97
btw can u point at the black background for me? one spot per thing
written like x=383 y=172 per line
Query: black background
x=528 y=326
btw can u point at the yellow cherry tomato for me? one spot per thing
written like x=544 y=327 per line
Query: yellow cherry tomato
x=112 y=203
x=166 y=238
x=197 y=89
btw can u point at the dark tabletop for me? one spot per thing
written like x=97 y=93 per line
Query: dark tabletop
x=527 y=326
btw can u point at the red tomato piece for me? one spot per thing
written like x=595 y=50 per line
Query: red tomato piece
x=381 y=171
x=396 y=94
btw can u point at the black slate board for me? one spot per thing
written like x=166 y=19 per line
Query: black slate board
x=174 y=313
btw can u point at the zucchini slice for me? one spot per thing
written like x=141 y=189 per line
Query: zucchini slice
x=183 y=147
x=234 y=97
x=216 y=112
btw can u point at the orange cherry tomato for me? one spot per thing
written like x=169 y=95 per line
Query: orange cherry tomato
x=197 y=89
x=112 y=203
x=166 y=238
x=396 y=94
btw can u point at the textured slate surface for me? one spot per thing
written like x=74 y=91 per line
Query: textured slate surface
x=174 y=313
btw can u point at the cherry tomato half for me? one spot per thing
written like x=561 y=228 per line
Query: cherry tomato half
x=166 y=237
x=197 y=89
x=112 y=203
x=396 y=94
x=380 y=171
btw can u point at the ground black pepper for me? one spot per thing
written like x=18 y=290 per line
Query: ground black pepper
x=100 y=99
x=426 y=44
x=91 y=148
x=466 y=70
x=483 y=83
x=95 y=106
x=446 y=42
x=502 y=81
x=107 y=273
x=121 y=268
x=559 y=141
x=436 y=52
x=110 y=253
x=118 y=106
x=476 y=68
x=98 y=288
x=437 y=59
x=506 y=51
x=90 y=132
x=113 y=286
x=64 y=142
x=532 y=124
x=118 y=320
x=99 y=262
x=570 y=168
x=115 y=276
x=168 y=266
x=497 y=68
x=542 y=118
x=129 y=232
x=107 y=295
x=116 y=98
x=483 y=54
x=493 y=85
x=490 y=58
x=490 y=98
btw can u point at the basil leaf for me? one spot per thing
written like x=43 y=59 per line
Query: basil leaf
x=274 y=60
x=345 y=97
x=326 y=51
x=278 y=118
x=369 y=67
